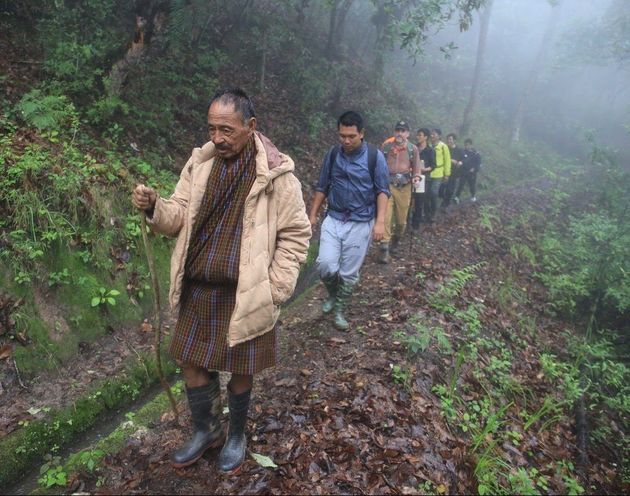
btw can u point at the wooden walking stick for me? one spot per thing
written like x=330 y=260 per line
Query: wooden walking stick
x=157 y=307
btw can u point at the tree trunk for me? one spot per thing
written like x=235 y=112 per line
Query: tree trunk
x=341 y=20
x=481 y=53
x=263 y=61
x=118 y=72
x=338 y=12
x=380 y=20
x=330 y=51
x=301 y=8
x=534 y=73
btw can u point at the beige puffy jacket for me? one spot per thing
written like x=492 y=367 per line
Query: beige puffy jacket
x=274 y=242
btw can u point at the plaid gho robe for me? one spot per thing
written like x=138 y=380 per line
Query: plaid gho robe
x=211 y=275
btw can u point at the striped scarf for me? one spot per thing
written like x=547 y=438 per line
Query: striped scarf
x=214 y=250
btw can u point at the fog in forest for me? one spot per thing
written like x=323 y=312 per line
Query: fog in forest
x=580 y=86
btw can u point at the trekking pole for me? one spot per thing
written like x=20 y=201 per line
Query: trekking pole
x=158 y=314
x=412 y=205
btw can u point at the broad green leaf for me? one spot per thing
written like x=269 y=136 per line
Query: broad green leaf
x=264 y=461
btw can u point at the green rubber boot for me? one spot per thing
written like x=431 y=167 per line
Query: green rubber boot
x=332 y=285
x=344 y=293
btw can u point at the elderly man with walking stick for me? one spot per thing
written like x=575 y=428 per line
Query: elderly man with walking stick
x=242 y=232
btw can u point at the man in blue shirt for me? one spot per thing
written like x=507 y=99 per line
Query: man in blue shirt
x=355 y=180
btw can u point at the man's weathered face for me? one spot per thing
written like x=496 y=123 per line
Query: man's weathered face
x=401 y=135
x=422 y=138
x=450 y=141
x=350 y=137
x=227 y=130
x=435 y=137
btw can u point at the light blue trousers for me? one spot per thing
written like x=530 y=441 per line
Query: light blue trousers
x=342 y=248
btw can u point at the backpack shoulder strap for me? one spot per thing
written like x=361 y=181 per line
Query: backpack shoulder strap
x=372 y=155
x=410 y=152
x=334 y=151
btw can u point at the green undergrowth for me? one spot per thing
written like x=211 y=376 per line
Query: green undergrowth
x=484 y=396
x=70 y=241
x=585 y=265
x=56 y=319
x=25 y=448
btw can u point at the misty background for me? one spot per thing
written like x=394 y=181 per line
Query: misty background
x=582 y=87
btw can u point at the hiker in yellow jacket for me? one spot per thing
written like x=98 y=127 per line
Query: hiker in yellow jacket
x=440 y=173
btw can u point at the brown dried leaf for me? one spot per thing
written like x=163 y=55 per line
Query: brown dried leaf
x=6 y=351
x=287 y=381
x=146 y=326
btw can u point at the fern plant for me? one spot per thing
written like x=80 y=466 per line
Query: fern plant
x=48 y=112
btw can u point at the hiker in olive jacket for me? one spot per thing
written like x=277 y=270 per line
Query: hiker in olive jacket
x=242 y=233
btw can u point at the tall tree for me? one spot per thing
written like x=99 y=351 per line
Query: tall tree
x=481 y=53
x=534 y=73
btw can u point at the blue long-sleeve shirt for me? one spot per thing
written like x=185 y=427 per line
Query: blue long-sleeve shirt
x=349 y=187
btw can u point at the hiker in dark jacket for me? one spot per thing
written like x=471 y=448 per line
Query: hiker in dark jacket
x=471 y=165
x=427 y=164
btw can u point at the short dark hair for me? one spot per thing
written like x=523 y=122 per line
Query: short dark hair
x=238 y=98
x=424 y=131
x=351 y=118
x=468 y=141
x=452 y=135
x=437 y=130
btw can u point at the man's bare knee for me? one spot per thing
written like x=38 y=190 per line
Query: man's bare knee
x=195 y=376
x=240 y=383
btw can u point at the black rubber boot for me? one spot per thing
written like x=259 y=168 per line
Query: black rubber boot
x=331 y=284
x=233 y=451
x=205 y=408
